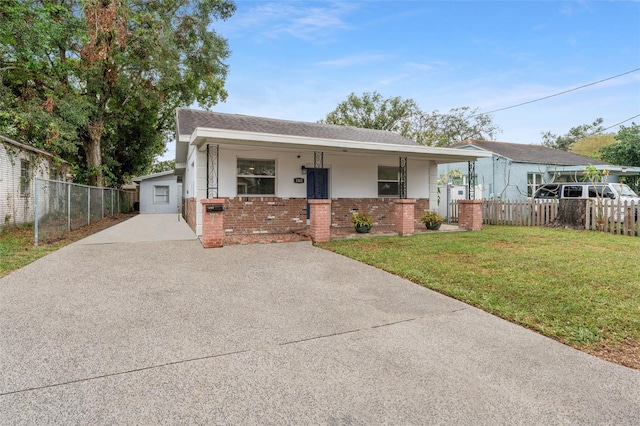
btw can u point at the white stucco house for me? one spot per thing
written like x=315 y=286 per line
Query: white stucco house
x=159 y=193
x=20 y=164
x=266 y=170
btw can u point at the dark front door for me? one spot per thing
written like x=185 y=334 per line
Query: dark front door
x=317 y=185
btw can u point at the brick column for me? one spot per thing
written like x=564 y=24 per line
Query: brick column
x=470 y=215
x=212 y=223
x=320 y=217
x=405 y=216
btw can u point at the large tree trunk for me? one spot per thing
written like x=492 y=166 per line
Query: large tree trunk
x=572 y=212
x=93 y=152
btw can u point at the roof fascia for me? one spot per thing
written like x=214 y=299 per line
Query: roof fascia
x=202 y=136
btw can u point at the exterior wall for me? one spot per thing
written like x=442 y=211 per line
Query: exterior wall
x=147 y=199
x=350 y=176
x=189 y=207
x=17 y=208
x=264 y=215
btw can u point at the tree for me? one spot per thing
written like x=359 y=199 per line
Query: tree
x=575 y=134
x=372 y=111
x=459 y=124
x=97 y=81
x=404 y=116
x=625 y=152
x=591 y=145
x=162 y=166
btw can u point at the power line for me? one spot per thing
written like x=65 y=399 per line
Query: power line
x=561 y=93
x=621 y=122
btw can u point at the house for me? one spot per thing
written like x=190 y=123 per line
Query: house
x=265 y=177
x=159 y=192
x=20 y=165
x=514 y=171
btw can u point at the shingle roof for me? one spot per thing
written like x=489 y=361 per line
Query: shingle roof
x=538 y=154
x=189 y=119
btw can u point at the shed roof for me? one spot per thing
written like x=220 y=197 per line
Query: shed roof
x=537 y=154
x=26 y=147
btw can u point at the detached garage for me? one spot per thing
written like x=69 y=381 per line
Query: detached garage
x=160 y=193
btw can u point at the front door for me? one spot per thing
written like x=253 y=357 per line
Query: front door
x=317 y=185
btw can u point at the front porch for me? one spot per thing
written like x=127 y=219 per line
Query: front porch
x=246 y=220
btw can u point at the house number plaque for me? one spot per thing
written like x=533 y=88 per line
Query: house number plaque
x=298 y=180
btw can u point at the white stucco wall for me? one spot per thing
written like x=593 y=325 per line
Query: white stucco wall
x=148 y=204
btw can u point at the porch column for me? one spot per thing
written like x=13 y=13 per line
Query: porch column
x=405 y=216
x=320 y=218
x=212 y=222
x=470 y=215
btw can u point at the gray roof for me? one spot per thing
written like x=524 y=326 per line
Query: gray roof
x=537 y=154
x=26 y=147
x=189 y=119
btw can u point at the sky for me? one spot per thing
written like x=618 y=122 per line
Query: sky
x=297 y=60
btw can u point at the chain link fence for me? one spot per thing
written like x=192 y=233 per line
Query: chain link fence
x=61 y=207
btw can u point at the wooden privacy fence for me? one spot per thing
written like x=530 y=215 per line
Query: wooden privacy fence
x=613 y=217
x=600 y=215
x=519 y=213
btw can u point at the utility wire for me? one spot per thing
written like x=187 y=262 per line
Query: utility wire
x=610 y=127
x=560 y=93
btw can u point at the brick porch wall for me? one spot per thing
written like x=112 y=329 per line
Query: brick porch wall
x=249 y=217
x=381 y=209
x=189 y=206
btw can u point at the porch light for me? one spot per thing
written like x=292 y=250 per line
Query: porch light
x=303 y=170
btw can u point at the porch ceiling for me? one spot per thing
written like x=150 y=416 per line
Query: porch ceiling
x=201 y=137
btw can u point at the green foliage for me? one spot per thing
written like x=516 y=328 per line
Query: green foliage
x=577 y=287
x=98 y=82
x=404 y=116
x=362 y=219
x=431 y=217
x=625 y=152
x=575 y=134
x=162 y=166
x=592 y=144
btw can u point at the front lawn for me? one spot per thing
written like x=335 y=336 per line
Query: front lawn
x=581 y=288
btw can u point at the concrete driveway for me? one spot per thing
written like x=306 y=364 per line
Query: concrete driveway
x=165 y=332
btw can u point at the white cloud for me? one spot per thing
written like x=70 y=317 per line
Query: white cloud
x=353 y=60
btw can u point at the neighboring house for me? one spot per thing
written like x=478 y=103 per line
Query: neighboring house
x=20 y=164
x=514 y=171
x=159 y=193
x=267 y=169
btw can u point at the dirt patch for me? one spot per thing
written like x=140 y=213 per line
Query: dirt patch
x=626 y=353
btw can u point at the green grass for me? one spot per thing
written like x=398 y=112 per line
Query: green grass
x=17 y=249
x=581 y=288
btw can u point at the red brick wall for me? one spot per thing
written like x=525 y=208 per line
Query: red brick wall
x=212 y=224
x=264 y=215
x=189 y=206
x=381 y=209
x=470 y=214
x=320 y=220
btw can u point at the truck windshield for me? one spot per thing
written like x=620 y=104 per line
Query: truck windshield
x=624 y=190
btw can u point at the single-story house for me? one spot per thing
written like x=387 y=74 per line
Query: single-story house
x=514 y=171
x=268 y=174
x=159 y=192
x=20 y=164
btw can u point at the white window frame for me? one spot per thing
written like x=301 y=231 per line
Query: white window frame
x=25 y=178
x=159 y=198
x=253 y=176
x=397 y=181
x=534 y=183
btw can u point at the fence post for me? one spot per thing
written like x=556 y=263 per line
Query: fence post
x=35 y=212
x=68 y=207
x=102 y=203
x=88 y=205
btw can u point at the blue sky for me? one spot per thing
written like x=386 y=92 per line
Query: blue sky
x=297 y=59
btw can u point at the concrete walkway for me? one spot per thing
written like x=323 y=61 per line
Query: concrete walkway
x=144 y=227
x=166 y=332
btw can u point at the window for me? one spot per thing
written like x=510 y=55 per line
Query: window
x=160 y=195
x=572 y=191
x=388 y=181
x=25 y=178
x=534 y=180
x=256 y=177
